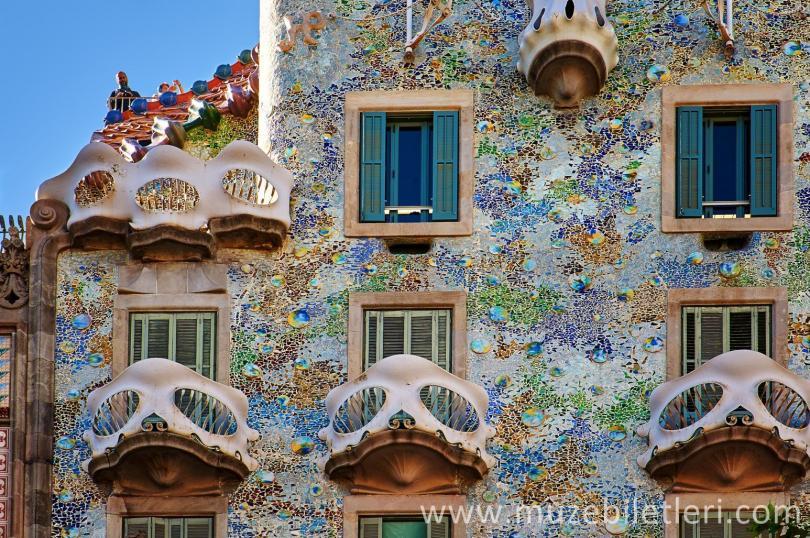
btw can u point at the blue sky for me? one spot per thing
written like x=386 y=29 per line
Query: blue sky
x=59 y=62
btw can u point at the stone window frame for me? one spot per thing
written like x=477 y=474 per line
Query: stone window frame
x=455 y=300
x=409 y=101
x=728 y=501
x=677 y=298
x=179 y=296
x=721 y=95
x=120 y=507
x=357 y=506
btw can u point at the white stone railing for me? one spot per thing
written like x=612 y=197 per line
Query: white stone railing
x=169 y=186
x=414 y=393
x=568 y=49
x=771 y=398
x=162 y=395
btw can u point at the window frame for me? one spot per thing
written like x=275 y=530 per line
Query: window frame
x=356 y=507
x=126 y=304
x=677 y=298
x=408 y=314
x=122 y=507
x=730 y=95
x=455 y=301
x=403 y=518
x=402 y=102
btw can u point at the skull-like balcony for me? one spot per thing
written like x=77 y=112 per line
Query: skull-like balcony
x=160 y=427
x=568 y=49
x=737 y=423
x=407 y=426
x=170 y=206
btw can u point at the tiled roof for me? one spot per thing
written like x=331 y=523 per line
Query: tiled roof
x=138 y=126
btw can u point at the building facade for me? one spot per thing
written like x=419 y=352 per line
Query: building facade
x=544 y=264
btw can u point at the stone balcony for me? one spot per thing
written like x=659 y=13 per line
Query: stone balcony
x=737 y=423
x=407 y=426
x=568 y=49
x=170 y=206
x=161 y=427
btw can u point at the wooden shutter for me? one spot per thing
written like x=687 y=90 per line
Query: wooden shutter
x=710 y=338
x=176 y=528
x=763 y=160
x=160 y=528
x=198 y=527
x=372 y=167
x=208 y=323
x=443 y=346
x=422 y=334
x=690 y=169
x=158 y=335
x=689 y=340
x=371 y=339
x=741 y=328
x=762 y=316
x=371 y=527
x=445 y=165
x=137 y=526
x=393 y=334
x=186 y=345
x=439 y=529
x=136 y=347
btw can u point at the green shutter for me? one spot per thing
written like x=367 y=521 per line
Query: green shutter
x=187 y=338
x=372 y=167
x=763 y=160
x=371 y=527
x=198 y=528
x=445 y=165
x=371 y=333
x=186 y=346
x=425 y=333
x=439 y=529
x=689 y=166
x=422 y=334
x=136 y=346
x=394 y=331
x=158 y=337
x=137 y=526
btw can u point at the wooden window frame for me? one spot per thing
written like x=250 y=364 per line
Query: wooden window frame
x=121 y=507
x=677 y=298
x=727 y=95
x=673 y=502
x=404 y=102
x=456 y=301
x=358 y=506
x=126 y=304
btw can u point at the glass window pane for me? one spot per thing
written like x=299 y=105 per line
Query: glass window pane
x=724 y=165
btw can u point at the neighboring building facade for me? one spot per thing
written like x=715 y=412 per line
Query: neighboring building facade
x=429 y=287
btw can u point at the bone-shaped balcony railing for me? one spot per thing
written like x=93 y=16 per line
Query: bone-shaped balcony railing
x=414 y=393
x=736 y=388
x=162 y=395
x=169 y=186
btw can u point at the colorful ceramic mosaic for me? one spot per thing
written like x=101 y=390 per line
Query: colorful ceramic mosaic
x=566 y=271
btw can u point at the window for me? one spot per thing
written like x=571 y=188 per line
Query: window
x=187 y=338
x=6 y=353
x=168 y=527
x=726 y=162
x=727 y=158
x=409 y=164
x=709 y=331
x=426 y=333
x=409 y=167
x=403 y=527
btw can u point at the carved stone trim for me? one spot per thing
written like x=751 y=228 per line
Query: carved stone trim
x=13 y=264
x=741 y=458
x=247 y=231
x=170 y=243
x=163 y=463
x=47 y=238
x=406 y=462
x=173 y=278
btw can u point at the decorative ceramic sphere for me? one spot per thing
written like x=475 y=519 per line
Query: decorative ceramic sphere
x=113 y=116
x=298 y=318
x=617 y=432
x=139 y=106
x=251 y=371
x=82 y=322
x=695 y=258
x=303 y=445
x=480 y=346
x=681 y=19
x=246 y=57
x=168 y=99
x=223 y=72
x=199 y=87
x=653 y=344
x=533 y=417
x=534 y=348
x=730 y=269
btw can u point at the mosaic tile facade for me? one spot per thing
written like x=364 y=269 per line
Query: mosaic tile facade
x=566 y=272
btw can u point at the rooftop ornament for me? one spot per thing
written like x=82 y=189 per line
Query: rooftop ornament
x=13 y=263
x=567 y=50
x=160 y=426
x=407 y=426
x=171 y=206
x=741 y=415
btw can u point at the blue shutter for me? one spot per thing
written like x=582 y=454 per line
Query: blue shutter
x=445 y=165
x=763 y=161
x=689 y=167
x=372 y=167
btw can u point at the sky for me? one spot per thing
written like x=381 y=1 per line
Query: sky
x=60 y=60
